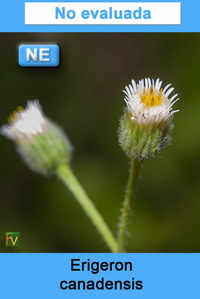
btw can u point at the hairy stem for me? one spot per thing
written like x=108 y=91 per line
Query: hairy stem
x=127 y=205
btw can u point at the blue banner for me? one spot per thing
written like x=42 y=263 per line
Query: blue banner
x=99 y=16
x=101 y=275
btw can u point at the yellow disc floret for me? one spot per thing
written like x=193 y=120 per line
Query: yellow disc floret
x=151 y=97
x=15 y=114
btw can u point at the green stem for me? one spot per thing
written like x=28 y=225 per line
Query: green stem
x=127 y=205
x=66 y=175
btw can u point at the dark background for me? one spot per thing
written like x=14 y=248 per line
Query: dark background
x=84 y=96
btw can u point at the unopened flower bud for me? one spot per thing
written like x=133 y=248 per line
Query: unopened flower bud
x=42 y=144
x=146 y=124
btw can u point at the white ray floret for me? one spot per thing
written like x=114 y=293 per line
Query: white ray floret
x=148 y=103
x=25 y=125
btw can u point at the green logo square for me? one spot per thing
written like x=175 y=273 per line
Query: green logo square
x=12 y=239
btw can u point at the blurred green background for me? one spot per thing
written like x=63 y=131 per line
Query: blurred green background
x=84 y=95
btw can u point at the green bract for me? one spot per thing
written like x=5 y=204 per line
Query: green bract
x=140 y=141
x=47 y=151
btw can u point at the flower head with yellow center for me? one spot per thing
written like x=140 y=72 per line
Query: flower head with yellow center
x=146 y=124
x=42 y=144
x=148 y=103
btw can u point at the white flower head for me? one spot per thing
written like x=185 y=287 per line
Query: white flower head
x=146 y=125
x=40 y=142
x=148 y=103
x=26 y=124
